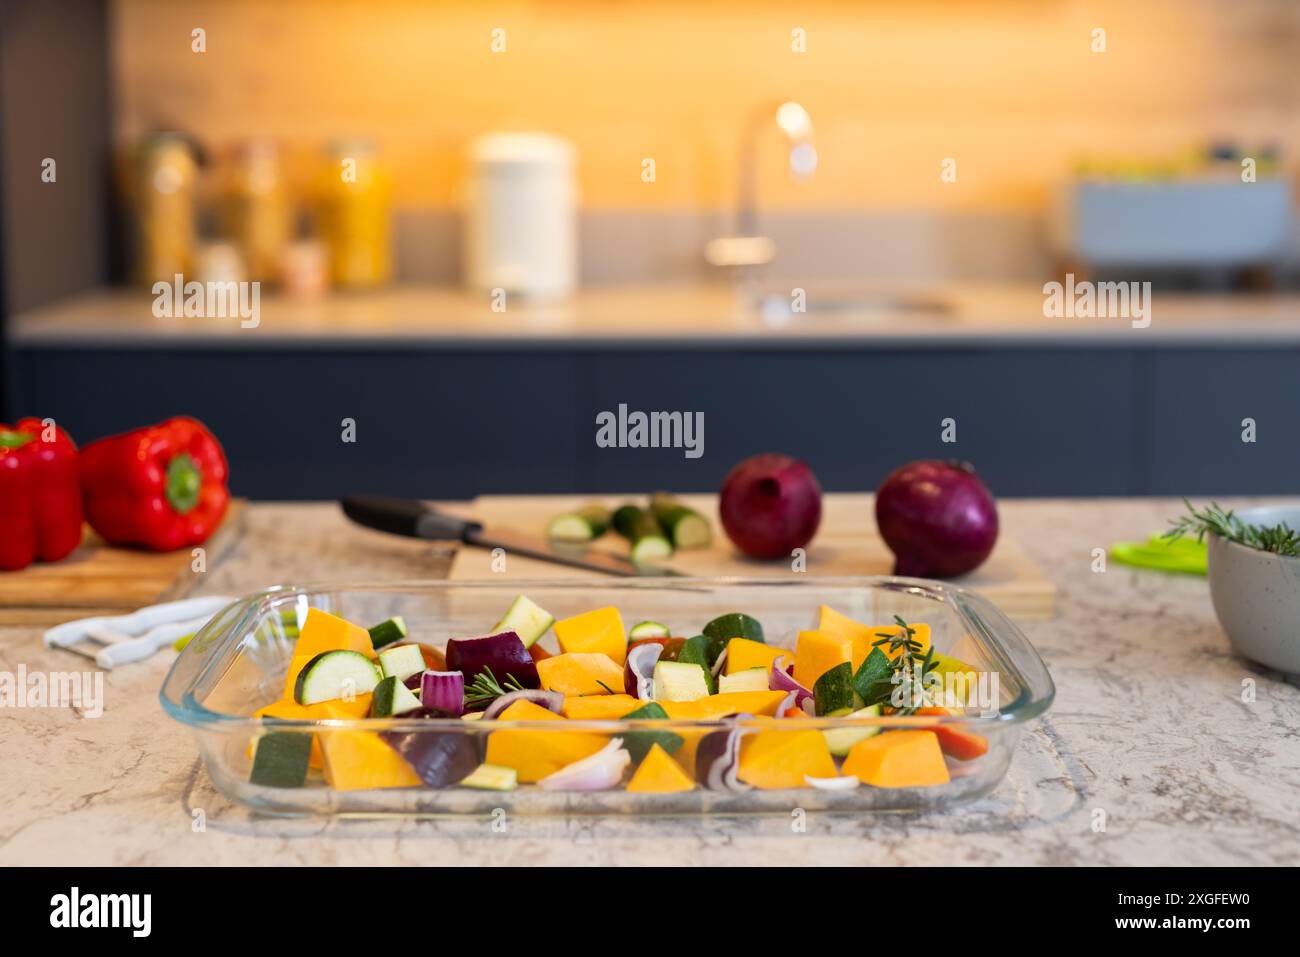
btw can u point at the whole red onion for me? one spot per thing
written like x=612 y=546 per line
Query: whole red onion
x=770 y=505
x=937 y=517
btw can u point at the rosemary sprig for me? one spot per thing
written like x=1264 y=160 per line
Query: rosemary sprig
x=910 y=665
x=1279 y=539
x=485 y=687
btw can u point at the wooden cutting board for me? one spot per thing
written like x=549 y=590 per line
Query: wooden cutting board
x=847 y=544
x=98 y=579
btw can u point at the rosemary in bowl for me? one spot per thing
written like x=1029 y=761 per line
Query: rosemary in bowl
x=1278 y=539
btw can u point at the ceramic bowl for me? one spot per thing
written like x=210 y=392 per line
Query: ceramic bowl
x=1256 y=595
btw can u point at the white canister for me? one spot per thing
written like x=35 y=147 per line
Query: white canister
x=520 y=227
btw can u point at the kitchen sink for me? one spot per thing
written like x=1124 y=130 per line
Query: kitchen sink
x=778 y=308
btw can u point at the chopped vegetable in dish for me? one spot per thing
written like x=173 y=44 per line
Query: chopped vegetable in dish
x=606 y=673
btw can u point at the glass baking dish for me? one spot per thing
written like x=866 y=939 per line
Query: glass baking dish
x=238 y=663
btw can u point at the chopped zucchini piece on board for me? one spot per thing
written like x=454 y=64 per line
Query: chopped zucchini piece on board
x=685 y=527
x=584 y=525
x=642 y=529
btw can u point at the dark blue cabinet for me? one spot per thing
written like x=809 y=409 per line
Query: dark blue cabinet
x=1196 y=403
x=438 y=425
x=445 y=422
x=1032 y=422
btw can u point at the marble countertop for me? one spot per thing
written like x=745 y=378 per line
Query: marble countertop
x=1150 y=755
x=865 y=316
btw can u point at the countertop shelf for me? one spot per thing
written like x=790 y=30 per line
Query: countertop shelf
x=684 y=316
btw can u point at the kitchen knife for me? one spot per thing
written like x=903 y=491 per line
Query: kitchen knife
x=414 y=519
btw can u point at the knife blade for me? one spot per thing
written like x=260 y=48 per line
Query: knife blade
x=414 y=519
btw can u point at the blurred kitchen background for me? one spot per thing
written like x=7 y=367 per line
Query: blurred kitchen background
x=826 y=225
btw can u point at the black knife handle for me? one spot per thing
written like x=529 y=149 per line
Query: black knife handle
x=404 y=516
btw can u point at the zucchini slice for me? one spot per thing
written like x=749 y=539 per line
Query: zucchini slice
x=651 y=549
x=392 y=698
x=492 y=777
x=751 y=679
x=680 y=681
x=525 y=618
x=387 y=631
x=587 y=523
x=639 y=743
x=841 y=740
x=335 y=674
x=648 y=629
x=685 y=527
x=281 y=759
x=401 y=662
x=695 y=651
x=642 y=529
x=833 y=691
x=734 y=625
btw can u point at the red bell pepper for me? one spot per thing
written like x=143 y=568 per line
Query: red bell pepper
x=40 y=494
x=162 y=487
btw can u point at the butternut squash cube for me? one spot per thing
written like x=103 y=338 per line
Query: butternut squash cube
x=576 y=674
x=743 y=654
x=817 y=652
x=605 y=707
x=780 y=759
x=535 y=754
x=356 y=760
x=594 y=632
x=527 y=711
x=324 y=632
x=333 y=710
x=832 y=622
x=720 y=705
x=898 y=759
x=660 y=774
x=864 y=637
x=291 y=710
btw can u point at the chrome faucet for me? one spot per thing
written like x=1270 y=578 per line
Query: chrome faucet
x=747 y=247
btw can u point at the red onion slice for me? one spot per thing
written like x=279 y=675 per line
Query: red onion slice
x=638 y=672
x=779 y=680
x=718 y=665
x=789 y=701
x=441 y=759
x=845 y=783
x=717 y=759
x=443 y=690
x=598 y=772
x=550 y=700
x=503 y=653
